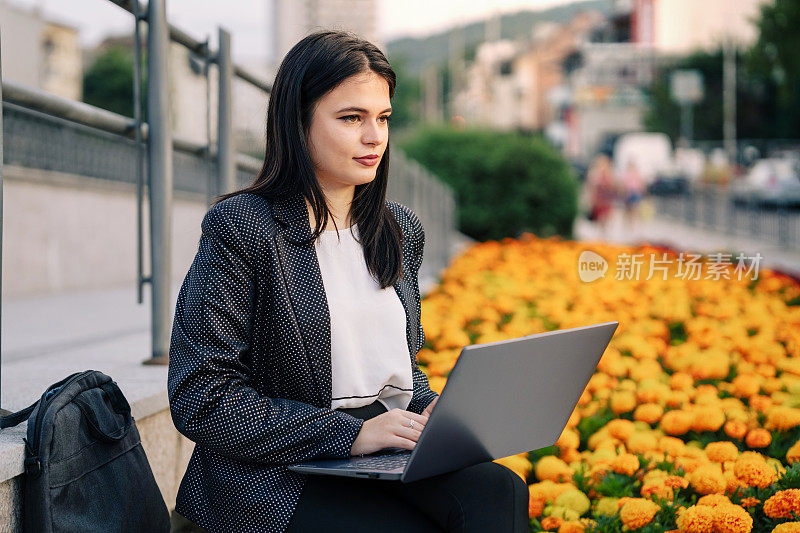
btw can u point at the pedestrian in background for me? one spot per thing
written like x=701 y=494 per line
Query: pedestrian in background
x=602 y=186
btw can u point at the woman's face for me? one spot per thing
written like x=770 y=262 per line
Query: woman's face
x=350 y=122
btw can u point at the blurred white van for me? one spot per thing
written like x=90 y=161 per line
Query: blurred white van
x=650 y=152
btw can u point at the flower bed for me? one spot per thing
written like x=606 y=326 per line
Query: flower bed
x=692 y=420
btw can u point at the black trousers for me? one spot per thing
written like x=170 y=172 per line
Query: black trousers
x=480 y=498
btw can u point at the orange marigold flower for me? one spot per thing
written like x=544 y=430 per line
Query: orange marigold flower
x=535 y=507
x=750 y=502
x=677 y=422
x=758 y=438
x=551 y=522
x=681 y=381
x=676 y=482
x=573 y=526
x=625 y=463
x=621 y=429
x=759 y=402
x=641 y=442
x=697 y=519
x=732 y=519
x=552 y=468
x=782 y=418
x=722 y=451
x=753 y=470
x=708 y=479
x=783 y=503
x=708 y=418
x=735 y=429
x=648 y=412
x=787 y=527
x=622 y=402
x=746 y=385
x=713 y=500
x=638 y=512
x=657 y=489
x=793 y=454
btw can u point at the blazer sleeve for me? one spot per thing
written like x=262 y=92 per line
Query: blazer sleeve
x=209 y=397
x=422 y=395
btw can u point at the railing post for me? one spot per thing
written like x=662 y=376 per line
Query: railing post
x=160 y=172
x=2 y=411
x=226 y=168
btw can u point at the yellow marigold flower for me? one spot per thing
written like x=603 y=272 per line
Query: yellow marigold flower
x=519 y=464
x=548 y=491
x=787 y=527
x=753 y=470
x=708 y=418
x=696 y=519
x=712 y=500
x=732 y=519
x=783 y=503
x=626 y=464
x=606 y=506
x=708 y=479
x=638 y=512
x=575 y=500
x=782 y=418
x=569 y=439
x=677 y=422
x=735 y=429
x=722 y=451
x=677 y=399
x=758 y=438
x=551 y=468
x=648 y=412
x=641 y=442
x=622 y=402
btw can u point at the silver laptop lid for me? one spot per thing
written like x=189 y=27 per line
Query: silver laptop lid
x=508 y=397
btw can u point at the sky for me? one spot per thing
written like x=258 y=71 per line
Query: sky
x=249 y=23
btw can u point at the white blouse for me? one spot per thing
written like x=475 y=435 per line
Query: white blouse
x=369 y=350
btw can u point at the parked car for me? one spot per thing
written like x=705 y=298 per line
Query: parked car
x=650 y=152
x=773 y=181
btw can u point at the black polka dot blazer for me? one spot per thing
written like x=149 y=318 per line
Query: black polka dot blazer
x=250 y=365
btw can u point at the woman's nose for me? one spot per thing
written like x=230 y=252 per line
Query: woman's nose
x=372 y=134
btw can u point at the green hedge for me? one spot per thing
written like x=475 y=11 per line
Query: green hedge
x=505 y=183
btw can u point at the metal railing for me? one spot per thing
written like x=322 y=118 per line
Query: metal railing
x=713 y=208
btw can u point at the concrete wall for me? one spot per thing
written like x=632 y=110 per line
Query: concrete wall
x=64 y=233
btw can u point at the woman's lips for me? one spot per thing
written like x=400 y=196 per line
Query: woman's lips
x=368 y=161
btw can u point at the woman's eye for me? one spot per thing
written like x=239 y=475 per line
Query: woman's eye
x=386 y=118
x=348 y=117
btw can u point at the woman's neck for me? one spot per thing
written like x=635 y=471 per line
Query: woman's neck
x=338 y=209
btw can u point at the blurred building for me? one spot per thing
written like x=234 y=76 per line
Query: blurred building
x=680 y=26
x=41 y=53
x=509 y=84
x=294 y=19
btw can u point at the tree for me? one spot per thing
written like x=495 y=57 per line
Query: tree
x=775 y=60
x=108 y=83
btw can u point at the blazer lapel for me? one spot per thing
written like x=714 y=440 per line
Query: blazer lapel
x=304 y=284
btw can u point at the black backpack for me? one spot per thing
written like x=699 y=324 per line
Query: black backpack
x=85 y=468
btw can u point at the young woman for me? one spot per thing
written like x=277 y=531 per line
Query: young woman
x=297 y=326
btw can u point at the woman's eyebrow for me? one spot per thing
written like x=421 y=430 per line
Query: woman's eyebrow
x=362 y=110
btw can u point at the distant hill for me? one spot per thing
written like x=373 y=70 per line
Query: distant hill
x=433 y=49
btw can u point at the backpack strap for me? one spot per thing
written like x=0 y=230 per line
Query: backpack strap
x=16 y=418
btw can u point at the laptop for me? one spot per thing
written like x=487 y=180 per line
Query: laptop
x=501 y=398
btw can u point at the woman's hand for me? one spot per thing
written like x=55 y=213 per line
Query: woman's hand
x=428 y=410
x=389 y=430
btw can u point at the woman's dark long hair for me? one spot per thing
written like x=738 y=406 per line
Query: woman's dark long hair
x=314 y=66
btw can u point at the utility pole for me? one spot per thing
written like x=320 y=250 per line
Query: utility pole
x=729 y=98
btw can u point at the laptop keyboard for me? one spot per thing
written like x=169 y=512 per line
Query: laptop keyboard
x=379 y=462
